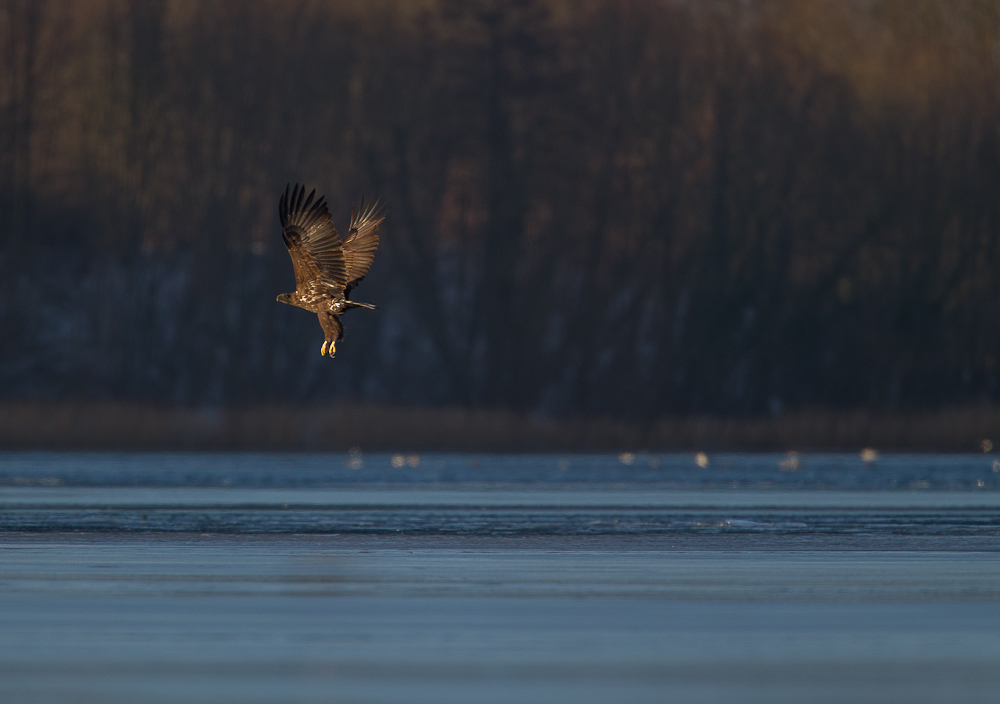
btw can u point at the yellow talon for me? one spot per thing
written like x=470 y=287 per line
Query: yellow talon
x=333 y=348
x=322 y=350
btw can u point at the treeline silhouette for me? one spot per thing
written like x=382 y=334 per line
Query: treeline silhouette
x=610 y=207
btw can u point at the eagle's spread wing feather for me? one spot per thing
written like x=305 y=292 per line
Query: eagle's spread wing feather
x=361 y=243
x=312 y=241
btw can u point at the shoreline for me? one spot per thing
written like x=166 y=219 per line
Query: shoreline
x=138 y=427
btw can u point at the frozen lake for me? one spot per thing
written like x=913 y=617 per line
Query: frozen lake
x=316 y=578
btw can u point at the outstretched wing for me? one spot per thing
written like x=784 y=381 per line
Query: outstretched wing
x=312 y=241
x=361 y=243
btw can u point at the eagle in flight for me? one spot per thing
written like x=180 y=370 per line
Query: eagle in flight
x=326 y=268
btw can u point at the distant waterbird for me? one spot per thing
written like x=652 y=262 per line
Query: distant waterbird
x=326 y=268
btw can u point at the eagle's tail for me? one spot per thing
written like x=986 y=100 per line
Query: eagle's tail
x=355 y=304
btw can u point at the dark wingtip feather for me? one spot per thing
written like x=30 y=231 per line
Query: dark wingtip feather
x=373 y=211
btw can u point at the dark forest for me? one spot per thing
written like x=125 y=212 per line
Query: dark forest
x=636 y=209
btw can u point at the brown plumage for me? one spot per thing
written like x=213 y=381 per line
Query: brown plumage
x=326 y=269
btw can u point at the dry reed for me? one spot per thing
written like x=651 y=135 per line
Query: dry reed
x=120 y=426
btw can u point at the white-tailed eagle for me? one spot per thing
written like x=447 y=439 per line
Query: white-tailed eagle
x=326 y=268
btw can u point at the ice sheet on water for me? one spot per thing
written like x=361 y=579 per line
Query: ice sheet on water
x=762 y=471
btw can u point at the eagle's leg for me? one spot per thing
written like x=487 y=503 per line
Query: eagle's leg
x=333 y=331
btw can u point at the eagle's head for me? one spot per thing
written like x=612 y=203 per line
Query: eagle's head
x=285 y=298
